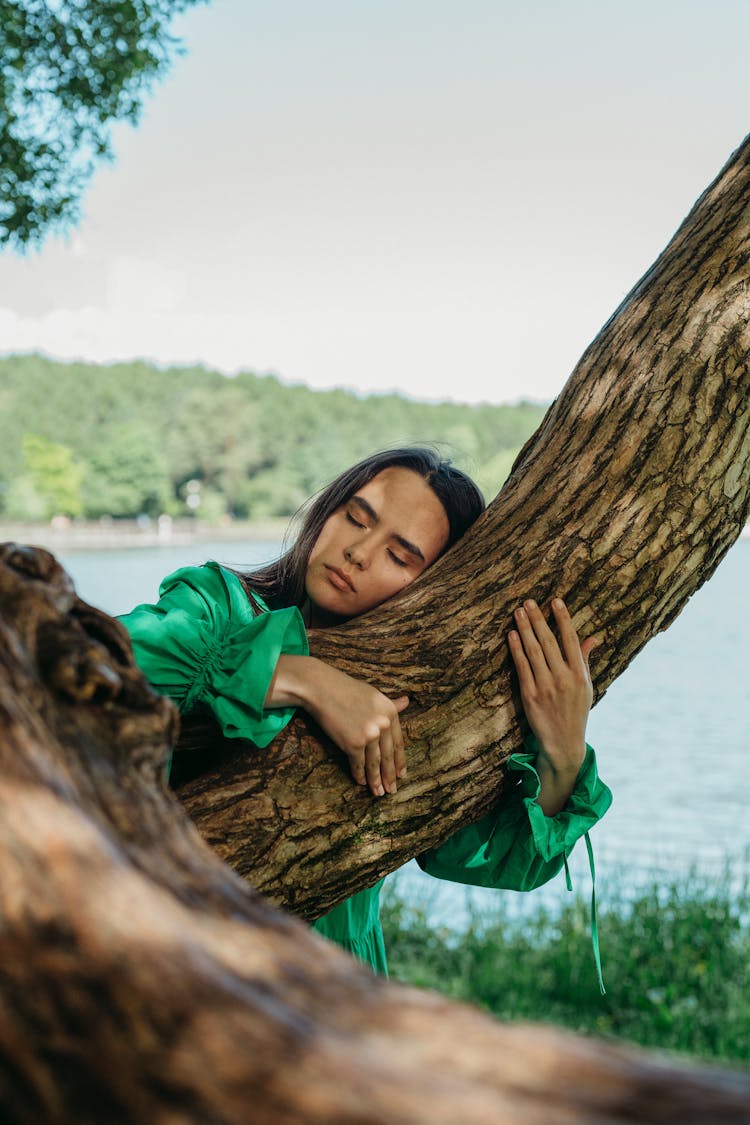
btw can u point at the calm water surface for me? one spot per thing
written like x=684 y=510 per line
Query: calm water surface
x=672 y=734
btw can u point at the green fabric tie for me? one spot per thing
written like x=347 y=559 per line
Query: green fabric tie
x=594 y=925
x=568 y=880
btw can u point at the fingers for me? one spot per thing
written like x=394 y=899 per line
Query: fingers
x=523 y=668
x=555 y=684
x=387 y=766
x=380 y=766
x=587 y=647
x=372 y=767
x=573 y=649
x=392 y=757
x=577 y=652
x=357 y=766
x=399 y=751
x=384 y=757
x=540 y=647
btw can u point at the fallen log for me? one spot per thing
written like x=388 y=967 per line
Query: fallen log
x=142 y=981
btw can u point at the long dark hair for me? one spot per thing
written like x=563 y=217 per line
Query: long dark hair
x=282 y=583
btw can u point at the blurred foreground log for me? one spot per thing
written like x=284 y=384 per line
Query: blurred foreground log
x=142 y=982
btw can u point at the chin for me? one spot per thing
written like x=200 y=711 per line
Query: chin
x=327 y=607
x=321 y=617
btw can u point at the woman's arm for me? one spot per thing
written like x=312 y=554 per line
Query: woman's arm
x=556 y=693
x=202 y=644
x=362 y=721
x=557 y=795
x=515 y=846
x=555 y=689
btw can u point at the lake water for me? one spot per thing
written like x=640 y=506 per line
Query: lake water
x=672 y=734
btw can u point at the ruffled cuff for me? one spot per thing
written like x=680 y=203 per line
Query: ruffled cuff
x=555 y=836
x=240 y=675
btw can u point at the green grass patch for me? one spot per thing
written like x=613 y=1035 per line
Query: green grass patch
x=675 y=959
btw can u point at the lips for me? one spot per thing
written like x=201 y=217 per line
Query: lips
x=340 y=579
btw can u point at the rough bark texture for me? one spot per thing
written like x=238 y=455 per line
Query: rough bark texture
x=143 y=983
x=624 y=502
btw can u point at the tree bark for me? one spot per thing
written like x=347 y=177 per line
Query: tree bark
x=624 y=502
x=141 y=981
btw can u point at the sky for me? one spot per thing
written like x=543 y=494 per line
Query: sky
x=447 y=198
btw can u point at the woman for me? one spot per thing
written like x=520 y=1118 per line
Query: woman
x=236 y=644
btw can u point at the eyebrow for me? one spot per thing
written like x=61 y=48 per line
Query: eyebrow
x=412 y=548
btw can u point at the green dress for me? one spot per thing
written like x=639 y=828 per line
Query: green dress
x=203 y=644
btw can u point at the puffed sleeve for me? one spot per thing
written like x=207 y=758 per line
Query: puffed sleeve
x=201 y=644
x=516 y=846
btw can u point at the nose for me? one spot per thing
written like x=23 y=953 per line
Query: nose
x=356 y=556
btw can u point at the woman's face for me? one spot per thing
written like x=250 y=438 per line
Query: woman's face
x=375 y=544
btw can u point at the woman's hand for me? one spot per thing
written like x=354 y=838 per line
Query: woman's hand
x=362 y=721
x=556 y=693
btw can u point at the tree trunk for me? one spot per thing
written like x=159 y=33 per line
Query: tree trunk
x=143 y=983
x=624 y=502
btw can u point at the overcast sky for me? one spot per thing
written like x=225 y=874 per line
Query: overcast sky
x=445 y=197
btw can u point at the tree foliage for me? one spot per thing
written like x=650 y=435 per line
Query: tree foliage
x=68 y=70
x=49 y=483
x=146 y=440
x=126 y=474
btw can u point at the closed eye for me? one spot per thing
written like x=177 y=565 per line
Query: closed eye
x=397 y=560
x=356 y=523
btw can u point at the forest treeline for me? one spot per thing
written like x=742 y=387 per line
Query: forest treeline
x=132 y=439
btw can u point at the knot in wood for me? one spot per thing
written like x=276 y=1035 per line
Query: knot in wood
x=75 y=665
x=38 y=564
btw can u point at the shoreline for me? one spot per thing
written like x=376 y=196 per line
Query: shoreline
x=95 y=535
x=115 y=535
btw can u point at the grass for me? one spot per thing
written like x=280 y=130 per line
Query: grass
x=676 y=959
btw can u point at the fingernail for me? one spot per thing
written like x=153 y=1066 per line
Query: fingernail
x=557 y=603
x=530 y=603
x=379 y=791
x=403 y=772
x=520 y=613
